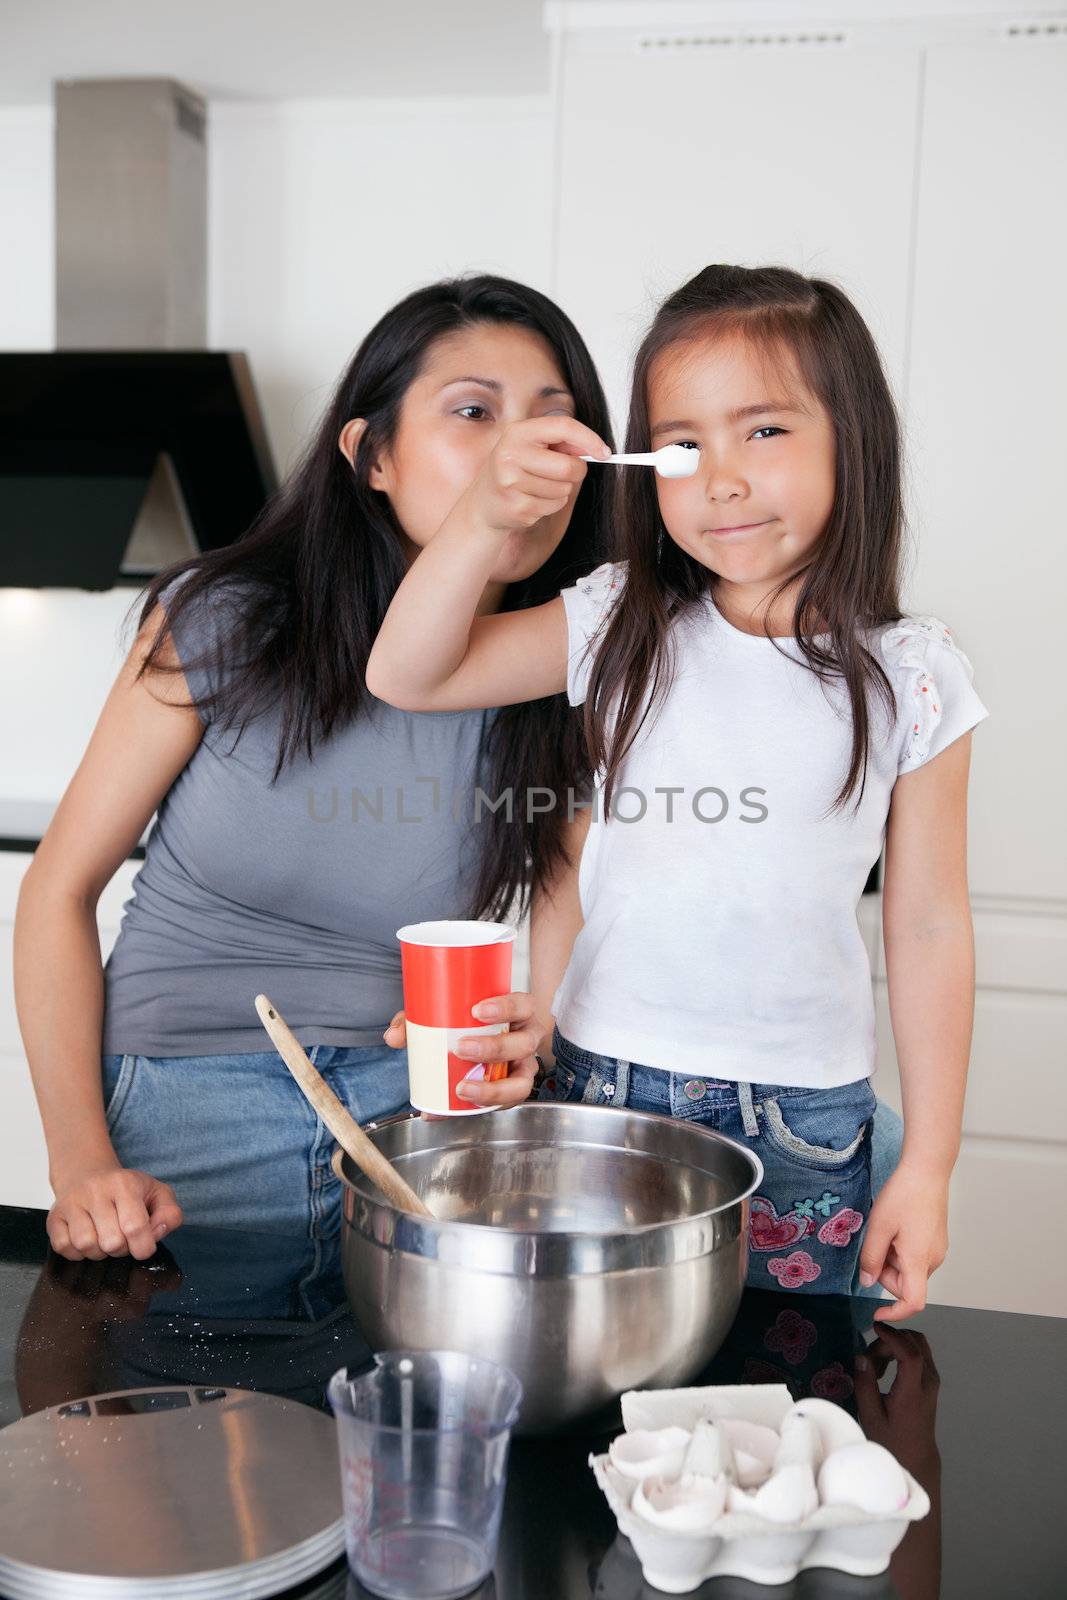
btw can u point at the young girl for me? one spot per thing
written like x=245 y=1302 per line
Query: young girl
x=762 y=720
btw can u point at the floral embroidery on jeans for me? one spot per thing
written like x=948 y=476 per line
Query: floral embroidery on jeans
x=792 y=1335
x=793 y=1270
x=808 y=1208
x=839 y=1230
x=769 y=1231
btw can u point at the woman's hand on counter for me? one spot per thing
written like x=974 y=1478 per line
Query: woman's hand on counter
x=114 y=1211
x=526 y=1034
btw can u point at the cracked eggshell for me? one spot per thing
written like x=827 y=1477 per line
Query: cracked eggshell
x=798 y=1443
x=649 y=1452
x=865 y=1476
x=689 y=1504
x=788 y=1496
x=709 y=1453
x=834 y=1425
x=755 y=1447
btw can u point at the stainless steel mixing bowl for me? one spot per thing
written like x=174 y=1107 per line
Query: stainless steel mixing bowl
x=590 y=1249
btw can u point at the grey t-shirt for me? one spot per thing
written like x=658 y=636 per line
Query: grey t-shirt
x=295 y=889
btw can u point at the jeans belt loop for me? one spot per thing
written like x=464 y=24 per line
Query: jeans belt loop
x=748 y=1110
x=622 y=1082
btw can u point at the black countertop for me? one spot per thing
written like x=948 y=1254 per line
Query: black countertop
x=971 y=1402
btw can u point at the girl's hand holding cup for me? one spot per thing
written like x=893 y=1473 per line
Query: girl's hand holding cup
x=516 y=1049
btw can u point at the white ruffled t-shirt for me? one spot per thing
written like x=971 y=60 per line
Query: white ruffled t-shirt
x=721 y=936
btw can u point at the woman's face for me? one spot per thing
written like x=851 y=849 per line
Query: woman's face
x=473 y=382
x=762 y=496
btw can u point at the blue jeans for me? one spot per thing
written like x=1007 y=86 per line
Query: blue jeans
x=808 y=1216
x=236 y=1139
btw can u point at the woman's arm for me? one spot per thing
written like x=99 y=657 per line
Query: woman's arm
x=144 y=737
x=929 y=951
x=431 y=654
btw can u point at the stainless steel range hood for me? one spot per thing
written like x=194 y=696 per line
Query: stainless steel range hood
x=131 y=445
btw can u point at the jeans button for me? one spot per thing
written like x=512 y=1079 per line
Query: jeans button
x=696 y=1088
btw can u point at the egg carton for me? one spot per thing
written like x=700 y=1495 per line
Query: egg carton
x=740 y=1481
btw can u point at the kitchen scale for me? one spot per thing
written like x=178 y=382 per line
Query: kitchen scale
x=192 y=1493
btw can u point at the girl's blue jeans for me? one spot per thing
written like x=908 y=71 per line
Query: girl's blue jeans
x=816 y=1146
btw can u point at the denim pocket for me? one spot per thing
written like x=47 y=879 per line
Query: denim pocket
x=823 y=1129
x=593 y=1079
x=371 y=1082
x=560 y=1084
x=117 y=1074
x=573 y=1054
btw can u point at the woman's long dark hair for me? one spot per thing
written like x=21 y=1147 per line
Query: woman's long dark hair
x=314 y=576
x=853 y=577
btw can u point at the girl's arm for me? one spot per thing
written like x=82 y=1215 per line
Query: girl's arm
x=431 y=653
x=929 y=950
x=143 y=739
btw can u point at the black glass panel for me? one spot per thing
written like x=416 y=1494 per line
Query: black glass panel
x=81 y=431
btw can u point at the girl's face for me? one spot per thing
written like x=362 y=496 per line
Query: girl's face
x=760 y=501
x=473 y=382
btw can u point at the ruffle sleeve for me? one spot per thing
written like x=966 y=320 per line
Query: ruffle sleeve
x=937 y=702
x=587 y=605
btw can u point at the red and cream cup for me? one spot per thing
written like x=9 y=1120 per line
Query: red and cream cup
x=449 y=967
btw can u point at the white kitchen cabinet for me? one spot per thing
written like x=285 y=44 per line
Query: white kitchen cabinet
x=986 y=422
x=799 y=155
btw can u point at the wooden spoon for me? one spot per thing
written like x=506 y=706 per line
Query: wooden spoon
x=345 y=1129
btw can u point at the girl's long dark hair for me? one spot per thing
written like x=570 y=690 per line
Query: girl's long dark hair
x=852 y=580
x=307 y=586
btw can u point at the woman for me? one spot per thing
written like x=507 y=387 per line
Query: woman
x=299 y=821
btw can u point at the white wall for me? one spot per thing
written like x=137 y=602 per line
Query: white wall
x=322 y=214
x=27 y=310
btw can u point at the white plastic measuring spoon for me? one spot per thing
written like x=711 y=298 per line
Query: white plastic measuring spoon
x=672 y=461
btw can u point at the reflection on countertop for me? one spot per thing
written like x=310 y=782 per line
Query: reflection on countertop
x=951 y=1395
